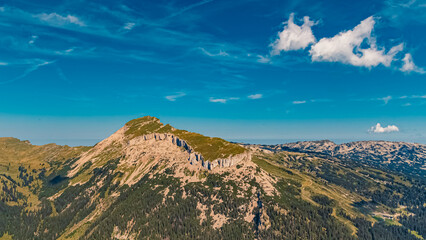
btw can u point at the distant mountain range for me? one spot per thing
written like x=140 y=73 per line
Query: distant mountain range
x=398 y=156
x=149 y=180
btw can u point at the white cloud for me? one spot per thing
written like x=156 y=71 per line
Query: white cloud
x=220 y=53
x=222 y=100
x=293 y=36
x=129 y=25
x=418 y=96
x=33 y=38
x=218 y=100
x=173 y=98
x=355 y=47
x=345 y=47
x=255 y=96
x=379 y=129
x=385 y=99
x=65 y=52
x=409 y=65
x=34 y=66
x=263 y=59
x=4 y=63
x=299 y=102
x=59 y=20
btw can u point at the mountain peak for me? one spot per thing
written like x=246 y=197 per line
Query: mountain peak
x=211 y=148
x=144 y=119
x=143 y=139
x=146 y=125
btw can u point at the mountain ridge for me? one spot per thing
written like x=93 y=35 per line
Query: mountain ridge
x=145 y=181
x=408 y=157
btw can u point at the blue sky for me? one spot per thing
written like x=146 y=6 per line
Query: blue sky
x=73 y=72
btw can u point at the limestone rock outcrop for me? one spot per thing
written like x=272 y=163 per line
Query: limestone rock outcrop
x=196 y=158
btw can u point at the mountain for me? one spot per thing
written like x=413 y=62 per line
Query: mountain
x=149 y=180
x=399 y=156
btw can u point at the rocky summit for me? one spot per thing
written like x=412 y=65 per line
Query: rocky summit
x=150 y=180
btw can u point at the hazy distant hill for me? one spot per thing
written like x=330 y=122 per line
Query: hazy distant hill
x=152 y=181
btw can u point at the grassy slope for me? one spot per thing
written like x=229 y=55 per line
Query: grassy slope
x=32 y=160
x=307 y=170
x=310 y=187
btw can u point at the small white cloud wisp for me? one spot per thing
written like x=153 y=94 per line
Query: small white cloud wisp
x=222 y=100
x=129 y=25
x=385 y=99
x=172 y=98
x=379 y=129
x=221 y=53
x=59 y=20
x=255 y=96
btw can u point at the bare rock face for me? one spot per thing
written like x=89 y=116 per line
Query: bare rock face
x=230 y=161
x=195 y=158
x=137 y=151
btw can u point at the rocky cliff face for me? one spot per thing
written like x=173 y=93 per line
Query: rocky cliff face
x=140 y=149
x=196 y=158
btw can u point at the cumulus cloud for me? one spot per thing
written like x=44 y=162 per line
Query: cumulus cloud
x=379 y=129
x=222 y=100
x=293 y=36
x=356 y=47
x=59 y=20
x=173 y=98
x=299 y=102
x=345 y=47
x=255 y=96
x=409 y=65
